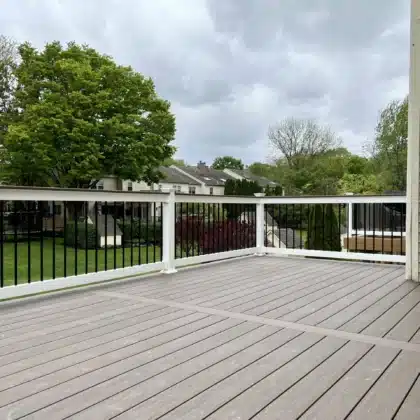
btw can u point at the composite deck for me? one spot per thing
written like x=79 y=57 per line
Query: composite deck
x=254 y=338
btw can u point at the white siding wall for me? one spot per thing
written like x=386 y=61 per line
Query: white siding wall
x=110 y=184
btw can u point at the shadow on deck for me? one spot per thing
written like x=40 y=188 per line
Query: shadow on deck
x=252 y=338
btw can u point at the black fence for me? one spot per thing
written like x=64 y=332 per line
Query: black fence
x=48 y=240
x=202 y=228
x=375 y=228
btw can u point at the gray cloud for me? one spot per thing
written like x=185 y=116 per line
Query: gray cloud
x=232 y=67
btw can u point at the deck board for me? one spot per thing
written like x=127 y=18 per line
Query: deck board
x=212 y=342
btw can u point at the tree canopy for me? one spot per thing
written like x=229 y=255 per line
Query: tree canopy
x=298 y=140
x=227 y=162
x=389 y=148
x=8 y=57
x=82 y=117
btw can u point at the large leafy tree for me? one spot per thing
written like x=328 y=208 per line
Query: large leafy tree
x=82 y=117
x=389 y=148
x=8 y=56
x=227 y=162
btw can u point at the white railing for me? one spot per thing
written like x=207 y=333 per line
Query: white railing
x=258 y=206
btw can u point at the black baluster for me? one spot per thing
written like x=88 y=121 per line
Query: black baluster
x=29 y=216
x=2 y=239
x=115 y=235
x=41 y=242
x=161 y=234
x=76 y=231
x=364 y=226
x=123 y=234
x=147 y=232
x=65 y=236
x=97 y=238
x=86 y=204
x=131 y=234
x=106 y=235
x=53 y=241
x=154 y=232
x=15 y=238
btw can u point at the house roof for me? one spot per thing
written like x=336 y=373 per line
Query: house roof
x=172 y=176
x=247 y=174
x=209 y=176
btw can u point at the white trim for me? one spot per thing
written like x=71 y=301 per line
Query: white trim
x=200 y=259
x=216 y=199
x=53 y=194
x=354 y=199
x=360 y=256
x=80 y=280
x=361 y=232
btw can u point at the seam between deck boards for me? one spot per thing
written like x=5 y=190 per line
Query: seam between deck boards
x=377 y=341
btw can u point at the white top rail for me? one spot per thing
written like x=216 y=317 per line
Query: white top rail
x=12 y=193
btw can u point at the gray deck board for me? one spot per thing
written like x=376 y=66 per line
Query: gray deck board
x=248 y=338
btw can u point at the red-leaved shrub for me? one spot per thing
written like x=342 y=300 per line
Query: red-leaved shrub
x=198 y=236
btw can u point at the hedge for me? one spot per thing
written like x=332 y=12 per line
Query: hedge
x=86 y=235
x=140 y=231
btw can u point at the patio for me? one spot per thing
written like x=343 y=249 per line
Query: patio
x=250 y=338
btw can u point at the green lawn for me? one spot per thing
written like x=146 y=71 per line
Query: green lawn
x=123 y=257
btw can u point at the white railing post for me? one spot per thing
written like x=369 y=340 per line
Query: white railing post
x=260 y=224
x=412 y=268
x=350 y=216
x=168 y=232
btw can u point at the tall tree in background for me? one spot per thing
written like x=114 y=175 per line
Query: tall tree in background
x=8 y=59
x=299 y=140
x=389 y=148
x=82 y=117
x=227 y=162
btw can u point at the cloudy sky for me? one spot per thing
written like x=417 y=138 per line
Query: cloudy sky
x=233 y=67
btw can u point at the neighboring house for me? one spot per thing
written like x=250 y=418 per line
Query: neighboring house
x=211 y=181
x=249 y=176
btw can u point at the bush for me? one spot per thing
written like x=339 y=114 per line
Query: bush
x=140 y=231
x=85 y=238
x=323 y=229
x=225 y=235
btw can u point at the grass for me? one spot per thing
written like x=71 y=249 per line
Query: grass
x=29 y=260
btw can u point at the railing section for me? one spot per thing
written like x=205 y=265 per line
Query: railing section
x=356 y=227
x=80 y=236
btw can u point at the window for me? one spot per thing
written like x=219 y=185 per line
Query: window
x=191 y=190
x=211 y=190
x=178 y=188
x=130 y=186
x=100 y=185
x=160 y=187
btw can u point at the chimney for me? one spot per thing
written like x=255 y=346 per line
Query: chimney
x=202 y=167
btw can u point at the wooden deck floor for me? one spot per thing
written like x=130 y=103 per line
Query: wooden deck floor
x=255 y=338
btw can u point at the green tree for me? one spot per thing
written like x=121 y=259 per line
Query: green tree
x=82 y=117
x=323 y=229
x=172 y=161
x=239 y=187
x=8 y=57
x=227 y=162
x=360 y=184
x=390 y=144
